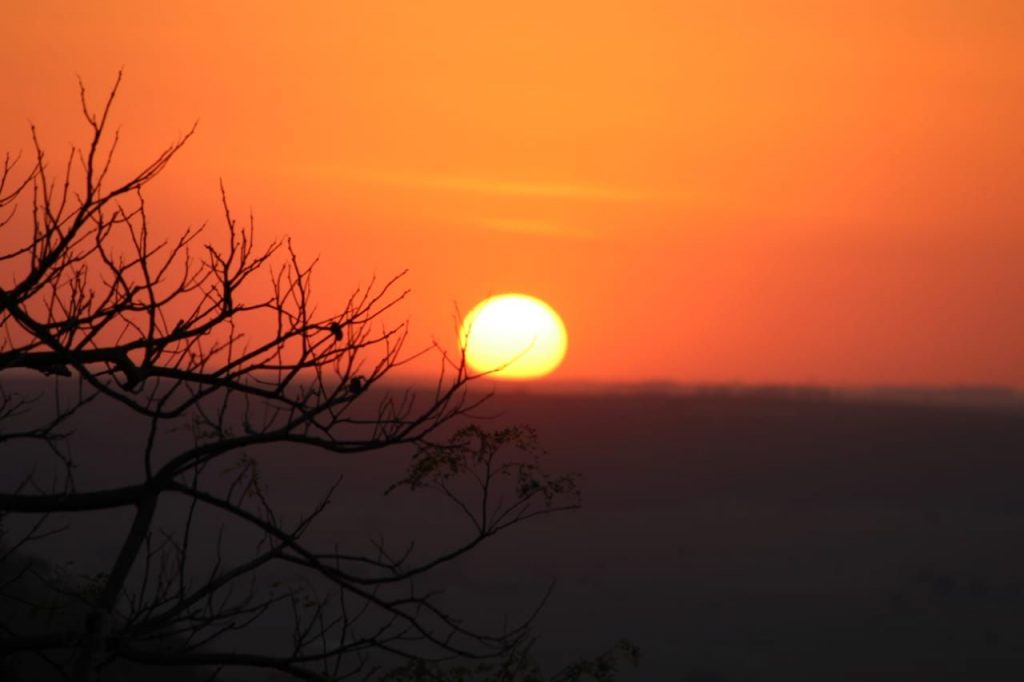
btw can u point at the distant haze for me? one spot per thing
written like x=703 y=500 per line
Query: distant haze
x=734 y=535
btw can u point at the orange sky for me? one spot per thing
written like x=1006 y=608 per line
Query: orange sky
x=707 y=191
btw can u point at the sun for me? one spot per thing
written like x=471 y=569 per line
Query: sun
x=513 y=336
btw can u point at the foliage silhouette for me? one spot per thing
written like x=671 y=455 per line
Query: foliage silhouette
x=217 y=367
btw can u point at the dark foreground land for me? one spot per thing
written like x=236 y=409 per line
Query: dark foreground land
x=737 y=536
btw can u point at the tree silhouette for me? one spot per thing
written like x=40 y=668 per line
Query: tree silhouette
x=220 y=356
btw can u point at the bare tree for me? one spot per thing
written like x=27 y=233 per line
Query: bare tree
x=220 y=356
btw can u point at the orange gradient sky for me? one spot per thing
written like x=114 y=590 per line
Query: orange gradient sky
x=785 y=192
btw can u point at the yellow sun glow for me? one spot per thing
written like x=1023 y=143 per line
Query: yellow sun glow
x=513 y=336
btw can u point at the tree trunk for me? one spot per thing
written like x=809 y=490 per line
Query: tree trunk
x=93 y=644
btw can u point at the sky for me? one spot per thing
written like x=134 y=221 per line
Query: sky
x=742 y=192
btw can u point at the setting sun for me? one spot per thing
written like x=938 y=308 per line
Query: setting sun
x=513 y=336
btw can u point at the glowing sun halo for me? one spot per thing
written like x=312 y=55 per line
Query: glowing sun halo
x=513 y=336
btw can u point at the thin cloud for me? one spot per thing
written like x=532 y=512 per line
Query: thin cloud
x=528 y=189
x=536 y=227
